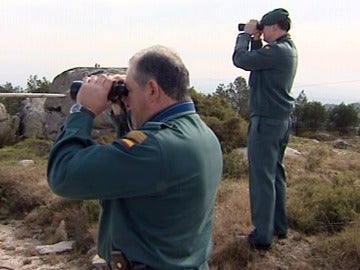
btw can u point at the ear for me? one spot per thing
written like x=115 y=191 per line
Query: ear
x=154 y=90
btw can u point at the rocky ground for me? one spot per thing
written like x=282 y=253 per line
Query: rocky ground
x=18 y=253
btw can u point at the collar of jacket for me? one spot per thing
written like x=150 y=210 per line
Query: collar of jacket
x=174 y=110
x=286 y=36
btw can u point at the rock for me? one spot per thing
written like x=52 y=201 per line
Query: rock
x=33 y=115
x=8 y=126
x=26 y=162
x=288 y=152
x=56 y=109
x=341 y=144
x=3 y=112
x=60 y=232
x=291 y=152
x=55 y=248
x=98 y=262
x=321 y=136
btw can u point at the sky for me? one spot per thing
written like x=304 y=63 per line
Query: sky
x=47 y=37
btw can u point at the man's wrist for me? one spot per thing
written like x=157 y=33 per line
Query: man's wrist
x=80 y=108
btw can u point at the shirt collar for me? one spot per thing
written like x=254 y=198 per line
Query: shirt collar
x=174 y=111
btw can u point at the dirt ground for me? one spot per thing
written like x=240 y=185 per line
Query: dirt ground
x=17 y=253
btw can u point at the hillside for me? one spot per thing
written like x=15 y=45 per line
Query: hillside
x=323 y=206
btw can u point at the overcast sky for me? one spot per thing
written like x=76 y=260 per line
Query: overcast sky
x=47 y=37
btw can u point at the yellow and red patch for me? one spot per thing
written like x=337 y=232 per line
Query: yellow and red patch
x=133 y=138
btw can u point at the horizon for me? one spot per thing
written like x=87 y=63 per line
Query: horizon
x=209 y=85
x=202 y=83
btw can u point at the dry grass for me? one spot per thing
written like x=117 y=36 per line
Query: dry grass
x=323 y=191
x=323 y=185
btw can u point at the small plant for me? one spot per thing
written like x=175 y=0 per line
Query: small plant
x=341 y=251
x=91 y=210
x=235 y=166
x=232 y=256
x=314 y=159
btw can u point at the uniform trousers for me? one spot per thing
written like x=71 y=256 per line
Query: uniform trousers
x=267 y=141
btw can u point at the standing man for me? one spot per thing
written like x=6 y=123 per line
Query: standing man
x=272 y=70
x=156 y=184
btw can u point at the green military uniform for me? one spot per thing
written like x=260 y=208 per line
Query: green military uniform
x=273 y=69
x=157 y=186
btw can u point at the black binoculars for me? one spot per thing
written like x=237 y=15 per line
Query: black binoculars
x=259 y=26
x=117 y=91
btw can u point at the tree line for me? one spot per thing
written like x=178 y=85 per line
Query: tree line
x=308 y=117
x=226 y=111
x=33 y=85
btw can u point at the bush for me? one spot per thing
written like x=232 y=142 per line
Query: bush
x=323 y=207
x=235 y=165
x=232 y=133
x=92 y=210
x=314 y=159
x=229 y=127
x=341 y=251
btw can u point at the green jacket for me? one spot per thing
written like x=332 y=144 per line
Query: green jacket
x=273 y=68
x=156 y=185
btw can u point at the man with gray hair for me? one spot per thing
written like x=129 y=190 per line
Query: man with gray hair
x=157 y=183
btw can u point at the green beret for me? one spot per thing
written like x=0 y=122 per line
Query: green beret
x=274 y=16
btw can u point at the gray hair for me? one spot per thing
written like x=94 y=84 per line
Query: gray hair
x=165 y=67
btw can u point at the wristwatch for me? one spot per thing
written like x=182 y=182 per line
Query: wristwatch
x=80 y=108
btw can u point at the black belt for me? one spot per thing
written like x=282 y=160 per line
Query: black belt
x=120 y=262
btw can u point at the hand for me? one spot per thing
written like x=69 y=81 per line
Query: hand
x=94 y=92
x=251 y=28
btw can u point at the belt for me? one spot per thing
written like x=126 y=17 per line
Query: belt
x=120 y=262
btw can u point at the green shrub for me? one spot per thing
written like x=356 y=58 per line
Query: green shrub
x=323 y=206
x=229 y=127
x=340 y=251
x=92 y=210
x=235 y=165
x=314 y=159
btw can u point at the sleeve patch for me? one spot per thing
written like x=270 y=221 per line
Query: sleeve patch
x=127 y=143
x=136 y=136
x=133 y=138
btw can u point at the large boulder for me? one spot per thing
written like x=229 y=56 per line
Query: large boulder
x=8 y=126
x=56 y=109
x=32 y=118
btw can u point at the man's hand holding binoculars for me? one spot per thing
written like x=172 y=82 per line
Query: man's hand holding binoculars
x=252 y=28
x=97 y=92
